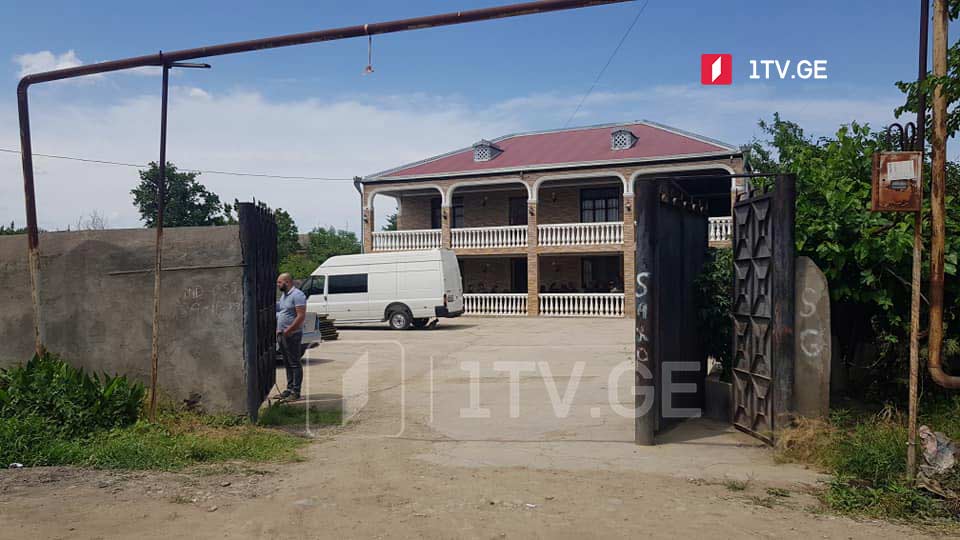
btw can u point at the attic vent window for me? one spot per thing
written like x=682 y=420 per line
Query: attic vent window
x=622 y=139
x=485 y=151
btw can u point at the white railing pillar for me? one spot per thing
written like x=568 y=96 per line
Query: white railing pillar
x=409 y=240
x=581 y=304
x=580 y=234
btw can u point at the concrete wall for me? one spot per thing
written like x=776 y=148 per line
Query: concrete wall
x=97 y=305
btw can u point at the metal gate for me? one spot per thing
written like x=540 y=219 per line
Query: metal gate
x=258 y=238
x=671 y=239
x=763 y=307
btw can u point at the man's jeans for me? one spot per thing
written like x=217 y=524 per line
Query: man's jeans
x=290 y=349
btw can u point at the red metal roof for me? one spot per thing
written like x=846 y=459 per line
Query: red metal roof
x=567 y=147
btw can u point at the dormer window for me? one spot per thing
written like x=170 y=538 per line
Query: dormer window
x=622 y=139
x=485 y=151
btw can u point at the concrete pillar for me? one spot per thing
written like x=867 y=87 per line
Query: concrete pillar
x=368 y=225
x=446 y=220
x=533 y=262
x=629 y=256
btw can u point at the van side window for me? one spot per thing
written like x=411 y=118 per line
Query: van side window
x=312 y=285
x=348 y=283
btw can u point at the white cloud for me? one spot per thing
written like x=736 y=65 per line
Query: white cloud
x=359 y=135
x=46 y=61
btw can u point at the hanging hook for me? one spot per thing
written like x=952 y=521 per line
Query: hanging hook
x=369 y=69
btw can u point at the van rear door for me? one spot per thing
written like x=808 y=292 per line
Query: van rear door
x=452 y=282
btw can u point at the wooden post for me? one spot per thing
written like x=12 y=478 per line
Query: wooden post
x=783 y=288
x=645 y=314
x=917 y=254
x=938 y=144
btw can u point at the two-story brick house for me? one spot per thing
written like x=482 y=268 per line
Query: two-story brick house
x=537 y=220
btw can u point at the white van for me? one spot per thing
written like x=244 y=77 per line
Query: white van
x=405 y=288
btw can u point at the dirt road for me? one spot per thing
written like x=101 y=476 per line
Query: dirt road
x=411 y=465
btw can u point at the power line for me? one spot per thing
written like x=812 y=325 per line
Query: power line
x=609 y=60
x=203 y=171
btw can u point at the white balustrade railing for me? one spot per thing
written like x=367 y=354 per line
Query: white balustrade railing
x=499 y=304
x=581 y=304
x=406 y=240
x=580 y=234
x=720 y=229
x=489 y=237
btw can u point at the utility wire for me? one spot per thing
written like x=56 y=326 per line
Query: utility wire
x=609 y=60
x=203 y=171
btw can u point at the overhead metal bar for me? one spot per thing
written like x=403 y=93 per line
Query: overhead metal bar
x=167 y=59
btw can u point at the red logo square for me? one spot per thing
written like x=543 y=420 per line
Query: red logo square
x=716 y=68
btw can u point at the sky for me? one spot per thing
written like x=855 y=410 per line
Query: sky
x=310 y=111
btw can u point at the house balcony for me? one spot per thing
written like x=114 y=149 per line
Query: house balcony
x=489 y=237
x=410 y=240
x=495 y=304
x=580 y=234
x=719 y=232
x=581 y=304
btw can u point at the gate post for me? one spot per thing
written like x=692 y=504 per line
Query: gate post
x=784 y=292
x=645 y=399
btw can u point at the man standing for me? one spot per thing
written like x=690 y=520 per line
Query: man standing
x=291 y=311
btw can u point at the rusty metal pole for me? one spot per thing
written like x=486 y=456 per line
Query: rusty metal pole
x=158 y=260
x=33 y=231
x=917 y=251
x=938 y=145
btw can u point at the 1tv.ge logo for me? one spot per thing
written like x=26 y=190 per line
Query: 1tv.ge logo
x=716 y=68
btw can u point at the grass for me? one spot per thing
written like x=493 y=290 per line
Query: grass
x=292 y=415
x=736 y=485
x=866 y=453
x=176 y=441
x=54 y=414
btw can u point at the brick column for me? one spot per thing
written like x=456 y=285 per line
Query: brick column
x=446 y=217
x=629 y=256
x=367 y=231
x=533 y=262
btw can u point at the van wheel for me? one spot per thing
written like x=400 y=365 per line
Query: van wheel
x=400 y=319
x=420 y=323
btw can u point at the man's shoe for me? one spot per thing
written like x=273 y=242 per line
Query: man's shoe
x=283 y=395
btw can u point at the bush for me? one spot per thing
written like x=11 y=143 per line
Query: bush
x=714 y=288
x=54 y=414
x=867 y=456
x=72 y=402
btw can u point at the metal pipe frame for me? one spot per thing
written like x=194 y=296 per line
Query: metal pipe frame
x=164 y=60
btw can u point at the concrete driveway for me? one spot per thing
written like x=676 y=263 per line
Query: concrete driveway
x=490 y=389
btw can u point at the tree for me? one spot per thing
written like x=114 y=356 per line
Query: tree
x=12 y=229
x=866 y=256
x=322 y=244
x=95 y=221
x=391 y=222
x=187 y=202
x=951 y=85
x=288 y=237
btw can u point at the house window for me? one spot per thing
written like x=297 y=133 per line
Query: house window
x=435 y=213
x=436 y=217
x=622 y=139
x=457 y=213
x=518 y=210
x=599 y=205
